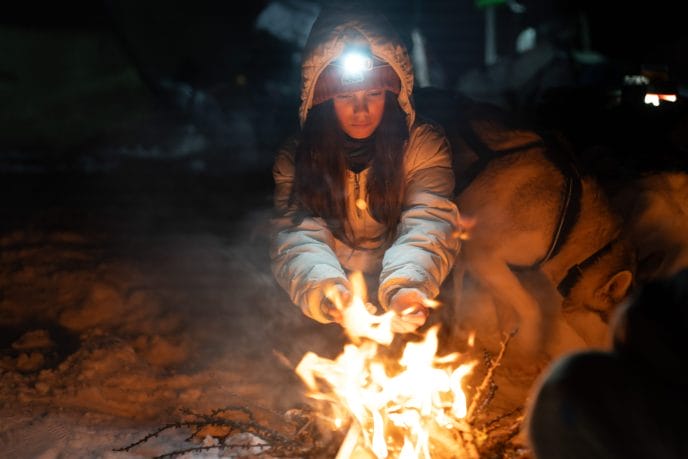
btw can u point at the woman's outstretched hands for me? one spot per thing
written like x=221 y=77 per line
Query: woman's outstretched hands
x=410 y=309
x=408 y=304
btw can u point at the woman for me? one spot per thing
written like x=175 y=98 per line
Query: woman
x=364 y=186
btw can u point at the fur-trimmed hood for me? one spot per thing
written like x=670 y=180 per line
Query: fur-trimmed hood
x=333 y=30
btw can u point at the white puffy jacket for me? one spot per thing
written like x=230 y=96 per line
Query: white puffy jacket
x=305 y=255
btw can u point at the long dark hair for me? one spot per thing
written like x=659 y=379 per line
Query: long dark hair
x=321 y=165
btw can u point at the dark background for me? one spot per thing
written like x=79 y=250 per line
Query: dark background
x=175 y=108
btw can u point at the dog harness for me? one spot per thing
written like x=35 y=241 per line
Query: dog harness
x=571 y=194
x=575 y=272
x=457 y=123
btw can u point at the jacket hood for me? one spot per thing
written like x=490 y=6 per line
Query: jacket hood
x=337 y=27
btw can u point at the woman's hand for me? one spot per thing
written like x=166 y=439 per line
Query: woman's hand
x=411 y=312
x=336 y=298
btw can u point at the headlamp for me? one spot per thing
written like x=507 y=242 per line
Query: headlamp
x=354 y=65
x=355 y=69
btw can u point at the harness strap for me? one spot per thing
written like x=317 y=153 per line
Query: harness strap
x=560 y=157
x=574 y=273
x=568 y=216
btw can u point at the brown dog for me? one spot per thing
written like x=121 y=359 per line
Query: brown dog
x=532 y=213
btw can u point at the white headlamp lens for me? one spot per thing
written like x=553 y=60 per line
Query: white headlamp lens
x=357 y=62
x=354 y=64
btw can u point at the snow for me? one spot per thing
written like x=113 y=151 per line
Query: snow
x=124 y=303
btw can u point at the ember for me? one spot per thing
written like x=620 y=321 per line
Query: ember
x=409 y=407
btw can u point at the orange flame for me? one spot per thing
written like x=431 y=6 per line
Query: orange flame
x=395 y=410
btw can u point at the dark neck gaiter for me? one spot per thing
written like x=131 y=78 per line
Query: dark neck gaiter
x=359 y=152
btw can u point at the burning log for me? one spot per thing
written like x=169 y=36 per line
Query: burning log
x=351 y=447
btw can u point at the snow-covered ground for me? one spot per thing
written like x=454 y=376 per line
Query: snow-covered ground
x=126 y=299
x=141 y=296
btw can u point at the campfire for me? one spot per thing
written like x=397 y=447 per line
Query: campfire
x=410 y=405
x=384 y=396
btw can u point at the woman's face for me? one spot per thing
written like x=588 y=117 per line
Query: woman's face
x=359 y=112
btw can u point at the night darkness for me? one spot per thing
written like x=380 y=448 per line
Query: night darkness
x=136 y=147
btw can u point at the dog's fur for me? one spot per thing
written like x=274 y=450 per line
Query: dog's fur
x=513 y=206
x=515 y=203
x=655 y=209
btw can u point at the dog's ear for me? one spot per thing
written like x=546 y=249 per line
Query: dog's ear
x=614 y=290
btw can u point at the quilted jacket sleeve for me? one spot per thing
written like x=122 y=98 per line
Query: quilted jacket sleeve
x=426 y=242
x=302 y=256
